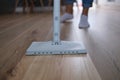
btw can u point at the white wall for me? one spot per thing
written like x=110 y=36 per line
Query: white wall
x=104 y=2
x=117 y=1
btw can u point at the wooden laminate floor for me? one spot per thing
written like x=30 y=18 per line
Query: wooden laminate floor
x=101 y=40
x=57 y=67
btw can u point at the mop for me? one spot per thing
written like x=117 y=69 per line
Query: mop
x=56 y=46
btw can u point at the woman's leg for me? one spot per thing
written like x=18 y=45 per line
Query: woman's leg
x=86 y=5
x=85 y=11
x=69 y=10
x=84 y=17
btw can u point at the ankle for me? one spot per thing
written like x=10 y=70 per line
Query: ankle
x=85 y=11
x=85 y=14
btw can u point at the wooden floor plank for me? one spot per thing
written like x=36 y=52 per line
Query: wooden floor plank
x=101 y=40
x=60 y=67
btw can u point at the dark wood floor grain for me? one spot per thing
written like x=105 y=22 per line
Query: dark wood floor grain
x=16 y=34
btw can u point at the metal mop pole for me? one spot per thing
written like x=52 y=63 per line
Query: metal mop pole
x=56 y=22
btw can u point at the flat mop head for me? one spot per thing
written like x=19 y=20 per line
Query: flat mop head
x=65 y=47
x=56 y=46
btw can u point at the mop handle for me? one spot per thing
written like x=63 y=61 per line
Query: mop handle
x=56 y=22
